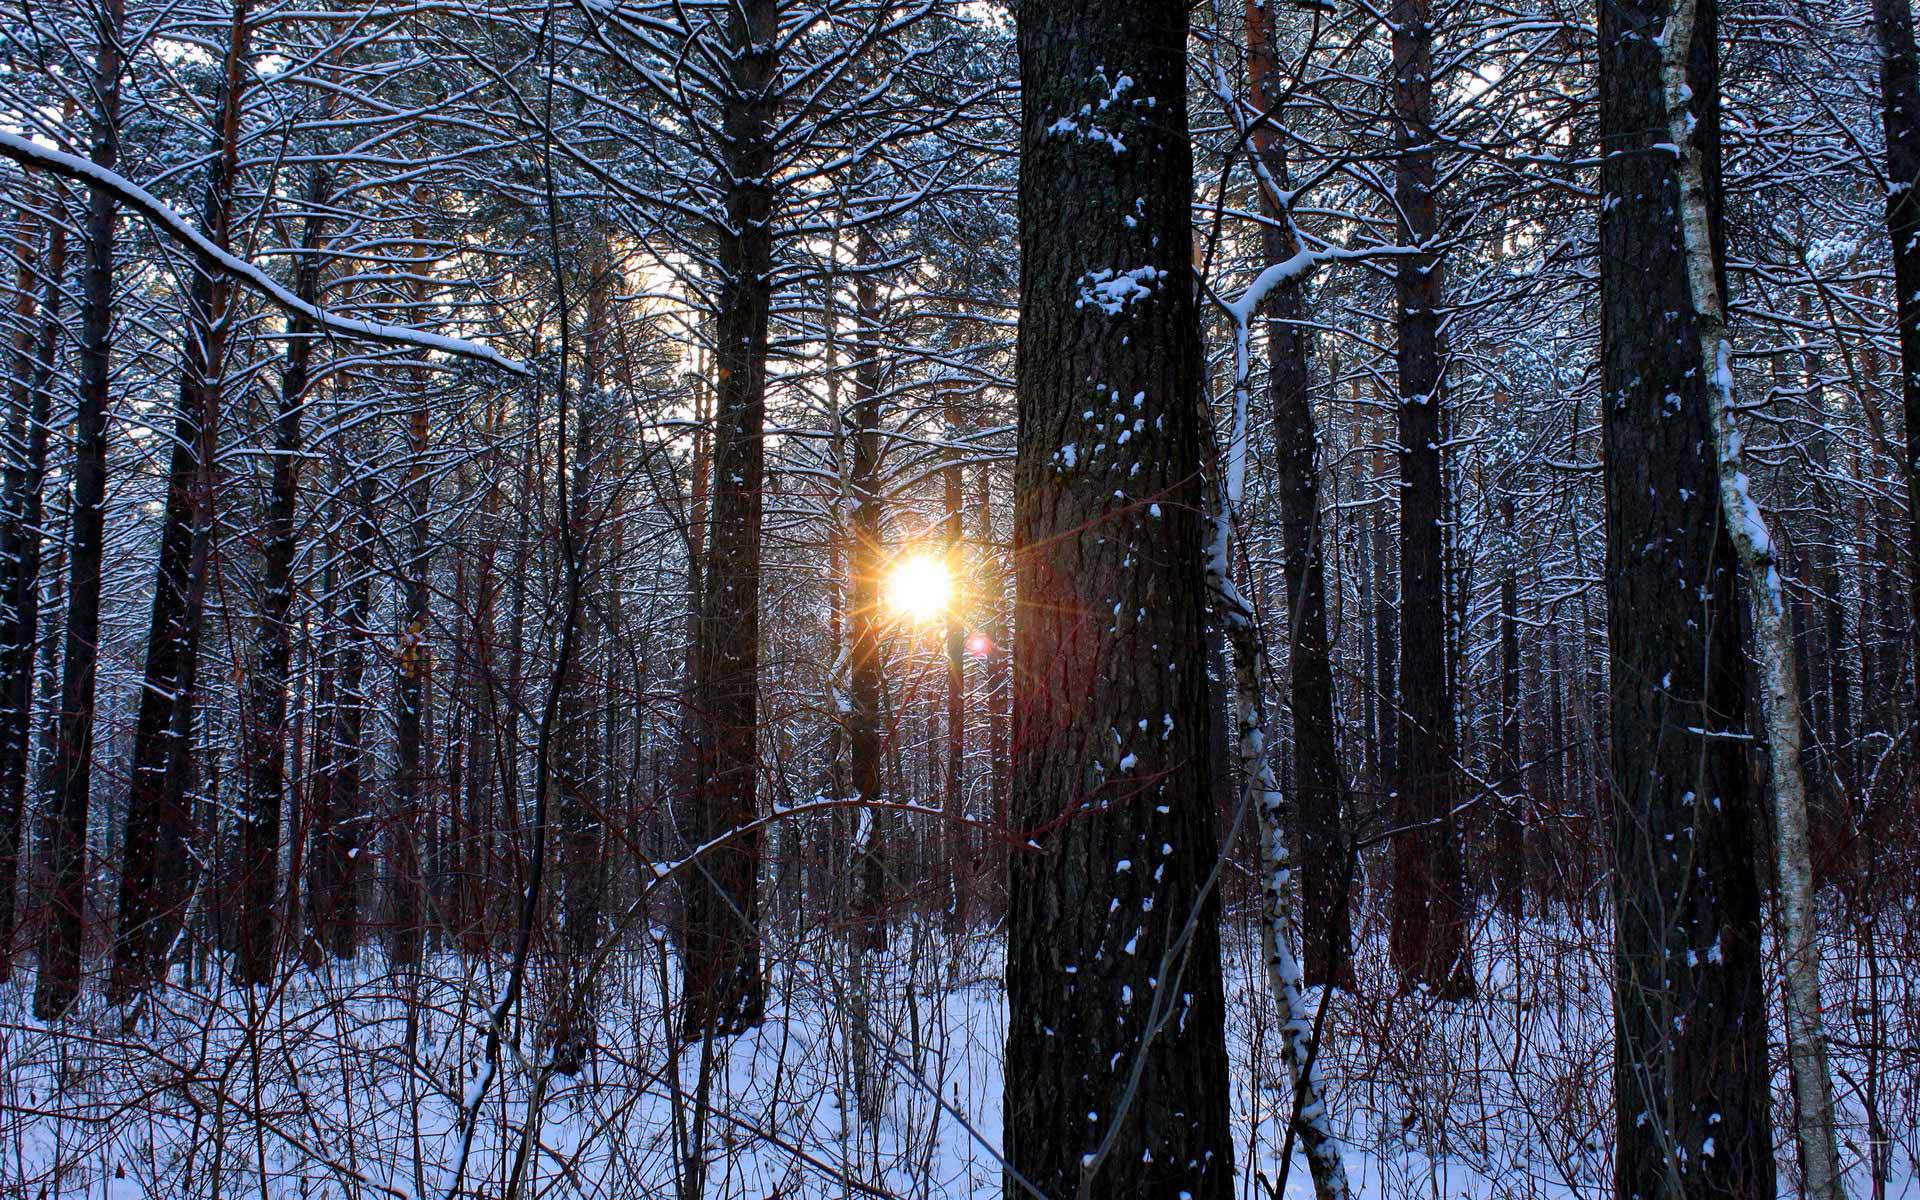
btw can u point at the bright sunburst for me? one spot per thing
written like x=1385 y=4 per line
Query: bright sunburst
x=919 y=587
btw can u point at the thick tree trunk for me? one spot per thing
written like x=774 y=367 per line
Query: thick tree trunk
x=26 y=470
x=157 y=874
x=1690 y=1076
x=1431 y=901
x=1116 y=1080
x=71 y=781
x=1773 y=642
x=1900 y=118
x=725 y=987
x=1319 y=783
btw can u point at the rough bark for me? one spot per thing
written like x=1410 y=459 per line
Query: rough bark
x=157 y=875
x=725 y=987
x=1773 y=640
x=71 y=774
x=1900 y=120
x=1319 y=785
x=1431 y=901
x=1690 y=1075
x=1116 y=1072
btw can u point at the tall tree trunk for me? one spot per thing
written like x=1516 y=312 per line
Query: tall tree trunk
x=1690 y=1069
x=483 y=739
x=341 y=816
x=1770 y=620
x=1116 y=1079
x=1311 y=1119
x=1431 y=902
x=725 y=987
x=26 y=470
x=413 y=672
x=865 y=563
x=71 y=781
x=157 y=875
x=1900 y=119
x=1319 y=783
x=580 y=774
x=265 y=732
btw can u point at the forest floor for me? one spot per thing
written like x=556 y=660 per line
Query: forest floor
x=310 y=1091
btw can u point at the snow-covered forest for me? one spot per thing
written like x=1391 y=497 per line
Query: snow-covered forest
x=1058 y=599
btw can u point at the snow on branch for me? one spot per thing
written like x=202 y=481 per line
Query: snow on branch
x=211 y=256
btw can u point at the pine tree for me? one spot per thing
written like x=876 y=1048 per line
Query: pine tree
x=1116 y=1078
x=1690 y=1069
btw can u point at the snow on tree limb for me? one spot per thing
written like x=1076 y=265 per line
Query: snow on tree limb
x=68 y=166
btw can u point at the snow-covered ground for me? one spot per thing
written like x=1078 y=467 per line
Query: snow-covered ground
x=312 y=1089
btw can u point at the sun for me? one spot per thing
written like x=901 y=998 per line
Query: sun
x=919 y=587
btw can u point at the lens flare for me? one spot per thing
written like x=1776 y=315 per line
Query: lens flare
x=919 y=587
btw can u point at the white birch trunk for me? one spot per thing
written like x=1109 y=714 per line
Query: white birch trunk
x=1312 y=1120
x=1772 y=646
